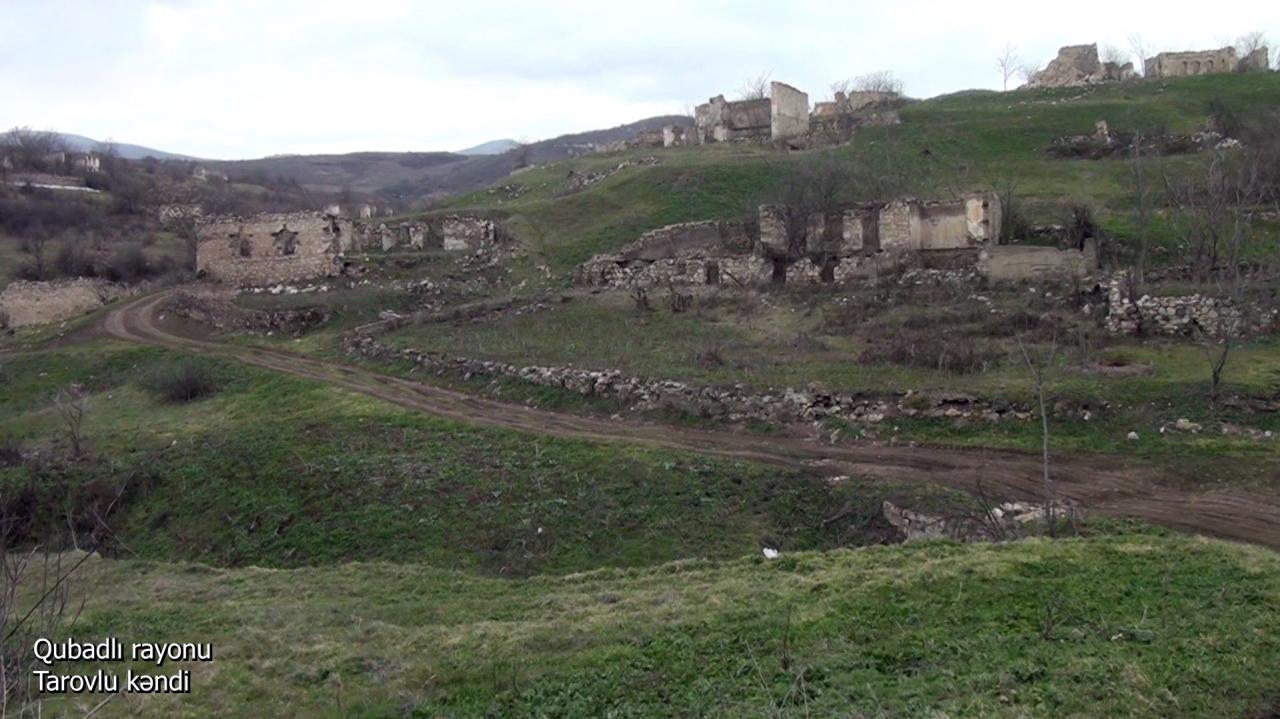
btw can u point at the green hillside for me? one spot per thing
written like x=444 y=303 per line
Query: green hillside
x=975 y=139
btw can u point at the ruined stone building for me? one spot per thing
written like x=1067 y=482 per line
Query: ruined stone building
x=273 y=247
x=837 y=246
x=782 y=115
x=1079 y=65
x=1206 y=62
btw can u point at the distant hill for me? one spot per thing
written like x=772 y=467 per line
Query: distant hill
x=493 y=147
x=80 y=143
x=417 y=175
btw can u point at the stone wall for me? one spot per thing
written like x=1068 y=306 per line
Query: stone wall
x=267 y=248
x=451 y=232
x=1200 y=62
x=1016 y=263
x=788 y=111
x=1183 y=315
x=719 y=120
x=853 y=102
x=919 y=225
x=679 y=253
x=34 y=303
x=731 y=403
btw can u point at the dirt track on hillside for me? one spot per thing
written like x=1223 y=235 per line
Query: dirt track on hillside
x=1099 y=484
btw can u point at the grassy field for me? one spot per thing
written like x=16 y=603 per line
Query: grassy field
x=1141 y=625
x=276 y=471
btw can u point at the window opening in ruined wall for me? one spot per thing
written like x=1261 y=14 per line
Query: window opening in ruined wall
x=286 y=241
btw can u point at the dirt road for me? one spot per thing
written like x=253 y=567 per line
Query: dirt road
x=1099 y=484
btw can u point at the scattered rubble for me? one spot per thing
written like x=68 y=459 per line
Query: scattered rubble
x=579 y=181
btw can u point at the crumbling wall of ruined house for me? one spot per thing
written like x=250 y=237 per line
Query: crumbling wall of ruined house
x=387 y=236
x=788 y=111
x=963 y=223
x=1080 y=65
x=1197 y=62
x=719 y=120
x=452 y=232
x=460 y=232
x=273 y=247
x=684 y=253
x=1016 y=263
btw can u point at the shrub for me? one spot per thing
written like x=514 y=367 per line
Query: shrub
x=129 y=264
x=182 y=382
x=72 y=260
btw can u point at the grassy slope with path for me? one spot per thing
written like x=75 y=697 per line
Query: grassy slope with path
x=279 y=471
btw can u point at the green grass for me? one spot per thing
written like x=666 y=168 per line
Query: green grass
x=276 y=471
x=1141 y=625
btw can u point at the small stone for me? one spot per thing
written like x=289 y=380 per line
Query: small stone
x=1132 y=436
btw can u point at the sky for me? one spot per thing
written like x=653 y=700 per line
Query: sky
x=231 y=79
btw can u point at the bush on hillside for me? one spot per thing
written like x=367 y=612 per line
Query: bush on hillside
x=182 y=382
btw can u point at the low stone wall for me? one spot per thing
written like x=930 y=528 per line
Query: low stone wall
x=36 y=303
x=1017 y=263
x=733 y=404
x=1182 y=315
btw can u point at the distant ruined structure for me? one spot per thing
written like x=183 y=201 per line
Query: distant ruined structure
x=1079 y=65
x=1206 y=62
x=784 y=116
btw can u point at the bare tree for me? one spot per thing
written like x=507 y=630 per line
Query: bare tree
x=756 y=88
x=1027 y=72
x=1036 y=367
x=1142 y=203
x=1249 y=42
x=36 y=243
x=811 y=188
x=841 y=88
x=30 y=149
x=72 y=404
x=879 y=81
x=1112 y=54
x=1140 y=50
x=1008 y=63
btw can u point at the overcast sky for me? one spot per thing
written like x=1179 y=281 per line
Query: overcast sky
x=235 y=79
